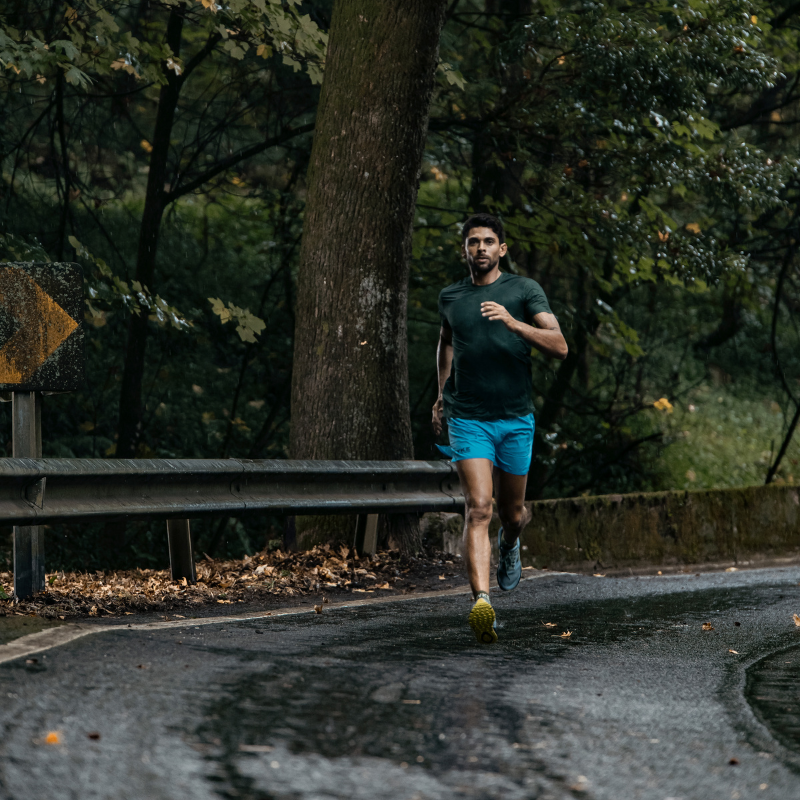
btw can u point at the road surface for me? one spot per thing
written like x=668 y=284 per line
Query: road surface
x=396 y=700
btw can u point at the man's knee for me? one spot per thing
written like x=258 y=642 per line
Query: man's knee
x=512 y=514
x=479 y=510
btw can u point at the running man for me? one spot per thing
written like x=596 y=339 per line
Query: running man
x=490 y=321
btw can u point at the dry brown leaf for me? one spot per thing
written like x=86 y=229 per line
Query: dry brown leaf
x=442 y=578
x=707 y=626
x=318 y=609
x=735 y=652
x=275 y=574
x=53 y=737
x=796 y=618
x=599 y=575
x=566 y=634
x=549 y=624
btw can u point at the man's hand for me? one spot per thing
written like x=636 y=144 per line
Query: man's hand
x=493 y=311
x=438 y=410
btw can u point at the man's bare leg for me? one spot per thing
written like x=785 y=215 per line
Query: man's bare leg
x=510 y=494
x=475 y=475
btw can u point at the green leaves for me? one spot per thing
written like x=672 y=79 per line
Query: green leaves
x=97 y=40
x=248 y=325
x=109 y=289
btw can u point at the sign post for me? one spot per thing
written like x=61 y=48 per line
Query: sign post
x=41 y=350
x=28 y=541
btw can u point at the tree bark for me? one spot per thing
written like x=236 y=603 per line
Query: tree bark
x=350 y=374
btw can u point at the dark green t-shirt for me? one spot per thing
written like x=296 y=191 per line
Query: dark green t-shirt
x=491 y=375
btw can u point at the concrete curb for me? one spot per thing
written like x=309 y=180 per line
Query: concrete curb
x=619 y=533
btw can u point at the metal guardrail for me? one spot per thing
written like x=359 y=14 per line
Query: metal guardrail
x=37 y=491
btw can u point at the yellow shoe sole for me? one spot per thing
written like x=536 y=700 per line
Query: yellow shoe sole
x=481 y=620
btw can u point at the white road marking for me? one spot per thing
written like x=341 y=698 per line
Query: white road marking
x=63 y=634
x=44 y=640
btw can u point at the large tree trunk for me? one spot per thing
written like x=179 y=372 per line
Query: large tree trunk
x=350 y=375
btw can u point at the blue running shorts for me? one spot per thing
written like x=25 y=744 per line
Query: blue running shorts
x=507 y=443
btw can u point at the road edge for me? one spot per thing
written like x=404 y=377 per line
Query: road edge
x=47 y=639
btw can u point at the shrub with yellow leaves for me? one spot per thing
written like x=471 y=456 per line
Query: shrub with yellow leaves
x=663 y=405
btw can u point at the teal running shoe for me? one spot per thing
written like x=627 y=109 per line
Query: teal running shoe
x=509 y=567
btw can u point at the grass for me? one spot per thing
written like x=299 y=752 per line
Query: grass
x=715 y=438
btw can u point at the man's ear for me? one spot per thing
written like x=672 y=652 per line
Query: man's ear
x=463 y=251
x=503 y=249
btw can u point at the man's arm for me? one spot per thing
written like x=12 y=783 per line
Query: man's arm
x=444 y=364
x=545 y=335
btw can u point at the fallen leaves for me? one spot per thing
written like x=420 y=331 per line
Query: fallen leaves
x=565 y=635
x=317 y=609
x=735 y=652
x=796 y=618
x=53 y=737
x=549 y=624
x=707 y=626
x=581 y=785
x=110 y=593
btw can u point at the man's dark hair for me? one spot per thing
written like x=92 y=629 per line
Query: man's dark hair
x=484 y=221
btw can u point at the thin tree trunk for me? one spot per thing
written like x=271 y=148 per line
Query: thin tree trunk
x=350 y=374
x=130 y=404
x=62 y=141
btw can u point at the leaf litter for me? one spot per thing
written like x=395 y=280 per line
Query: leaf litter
x=266 y=575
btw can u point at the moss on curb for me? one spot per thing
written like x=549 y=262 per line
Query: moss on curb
x=661 y=528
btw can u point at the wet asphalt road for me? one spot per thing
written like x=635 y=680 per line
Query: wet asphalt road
x=397 y=701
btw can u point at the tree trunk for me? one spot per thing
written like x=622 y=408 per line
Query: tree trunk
x=130 y=403
x=350 y=374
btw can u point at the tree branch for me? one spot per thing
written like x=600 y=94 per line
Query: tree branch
x=235 y=158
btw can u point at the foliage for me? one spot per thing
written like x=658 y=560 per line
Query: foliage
x=643 y=157
x=91 y=39
x=603 y=135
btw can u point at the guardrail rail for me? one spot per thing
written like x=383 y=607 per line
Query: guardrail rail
x=38 y=491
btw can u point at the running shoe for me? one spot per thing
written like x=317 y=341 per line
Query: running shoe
x=509 y=567
x=483 y=622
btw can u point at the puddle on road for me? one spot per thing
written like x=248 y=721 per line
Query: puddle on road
x=773 y=691
x=12 y=627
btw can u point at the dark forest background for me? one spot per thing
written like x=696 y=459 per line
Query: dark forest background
x=643 y=155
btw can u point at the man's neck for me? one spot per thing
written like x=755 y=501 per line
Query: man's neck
x=485 y=278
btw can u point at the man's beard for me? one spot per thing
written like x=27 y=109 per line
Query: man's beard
x=486 y=266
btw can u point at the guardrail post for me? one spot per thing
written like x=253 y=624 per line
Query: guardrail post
x=26 y=435
x=181 y=556
x=366 y=538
